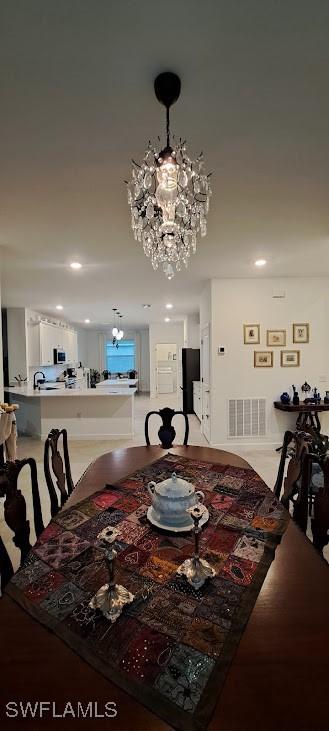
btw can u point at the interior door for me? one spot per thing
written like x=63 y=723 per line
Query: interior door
x=205 y=381
x=166 y=368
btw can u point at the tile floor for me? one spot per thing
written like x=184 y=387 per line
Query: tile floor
x=82 y=453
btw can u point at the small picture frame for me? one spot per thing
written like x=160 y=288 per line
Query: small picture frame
x=263 y=358
x=251 y=334
x=301 y=332
x=290 y=358
x=276 y=338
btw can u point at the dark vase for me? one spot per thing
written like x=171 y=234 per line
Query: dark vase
x=316 y=395
x=285 y=398
x=166 y=435
x=295 y=399
x=326 y=398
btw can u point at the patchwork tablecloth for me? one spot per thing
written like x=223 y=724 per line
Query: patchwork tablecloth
x=172 y=649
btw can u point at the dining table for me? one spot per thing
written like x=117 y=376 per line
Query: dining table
x=277 y=678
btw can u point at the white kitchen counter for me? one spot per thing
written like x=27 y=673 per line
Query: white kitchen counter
x=85 y=413
x=28 y=392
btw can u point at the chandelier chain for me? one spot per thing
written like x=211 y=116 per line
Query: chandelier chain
x=167 y=126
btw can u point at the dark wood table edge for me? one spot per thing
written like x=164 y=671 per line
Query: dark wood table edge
x=301 y=407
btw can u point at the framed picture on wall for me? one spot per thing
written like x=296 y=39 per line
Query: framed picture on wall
x=301 y=332
x=290 y=358
x=276 y=338
x=251 y=334
x=263 y=358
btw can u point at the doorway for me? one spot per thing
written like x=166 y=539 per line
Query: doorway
x=205 y=381
x=166 y=368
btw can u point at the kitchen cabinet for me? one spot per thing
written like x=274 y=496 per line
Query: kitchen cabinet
x=44 y=337
x=71 y=346
x=197 y=399
x=48 y=341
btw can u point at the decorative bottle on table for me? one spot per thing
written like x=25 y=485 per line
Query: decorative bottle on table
x=295 y=399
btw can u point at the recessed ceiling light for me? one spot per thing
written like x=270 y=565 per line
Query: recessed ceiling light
x=87 y=320
x=59 y=307
x=75 y=265
x=169 y=306
x=146 y=307
x=167 y=319
x=260 y=262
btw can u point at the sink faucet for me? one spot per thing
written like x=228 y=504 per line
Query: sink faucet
x=35 y=385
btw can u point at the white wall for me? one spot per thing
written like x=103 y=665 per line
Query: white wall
x=95 y=355
x=144 y=384
x=193 y=331
x=165 y=332
x=17 y=355
x=82 y=346
x=205 y=305
x=241 y=301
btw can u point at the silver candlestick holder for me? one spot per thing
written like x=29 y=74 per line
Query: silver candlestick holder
x=110 y=598
x=196 y=570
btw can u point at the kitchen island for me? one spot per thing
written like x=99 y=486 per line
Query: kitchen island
x=85 y=413
x=111 y=384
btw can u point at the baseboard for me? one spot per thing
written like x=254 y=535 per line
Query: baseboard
x=93 y=437
x=241 y=446
x=31 y=436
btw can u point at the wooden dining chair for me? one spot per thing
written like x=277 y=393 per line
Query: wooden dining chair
x=15 y=513
x=166 y=432
x=54 y=470
x=287 y=441
x=297 y=481
x=306 y=485
x=320 y=519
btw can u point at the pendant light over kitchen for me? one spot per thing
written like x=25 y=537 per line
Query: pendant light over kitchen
x=117 y=332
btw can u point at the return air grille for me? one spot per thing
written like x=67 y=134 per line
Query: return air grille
x=246 y=417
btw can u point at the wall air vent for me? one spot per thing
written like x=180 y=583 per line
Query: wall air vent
x=246 y=417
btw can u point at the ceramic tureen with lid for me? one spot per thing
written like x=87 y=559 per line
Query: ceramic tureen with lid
x=170 y=500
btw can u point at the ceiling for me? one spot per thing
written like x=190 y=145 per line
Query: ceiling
x=77 y=103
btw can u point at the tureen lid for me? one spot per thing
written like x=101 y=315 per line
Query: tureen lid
x=174 y=487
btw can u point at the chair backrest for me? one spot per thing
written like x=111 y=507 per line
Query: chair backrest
x=287 y=440
x=297 y=480
x=54 y=466
x=300 y=491
x=320 y=520
x=15 y=513
x=6 y=567
x=166 y=432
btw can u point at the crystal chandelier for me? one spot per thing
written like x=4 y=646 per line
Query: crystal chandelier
x=168 y=194
x=117 y=332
